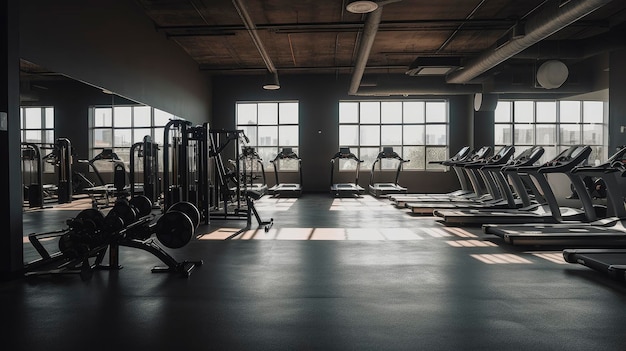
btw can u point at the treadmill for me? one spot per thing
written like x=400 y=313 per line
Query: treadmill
x=286 y=189
x=609 y=261
x=605 y=232
x=493 y=174
x=384 y=189
x=470 y=190
x=464 y=153
x=474 y=170
x=546 y=211
x=345 y=189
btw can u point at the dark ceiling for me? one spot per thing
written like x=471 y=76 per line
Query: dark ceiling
x=403 y=36
x=321 y=36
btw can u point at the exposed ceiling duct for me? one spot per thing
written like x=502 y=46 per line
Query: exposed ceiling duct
x=402 y=85
x=577 y=49
x=365 y=45
x=252 y=30
x=547 y=22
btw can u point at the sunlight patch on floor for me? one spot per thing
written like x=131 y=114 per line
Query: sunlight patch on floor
x=460 y=232
x=501 y=259
x=275 y=204
x=470 y=243
x=353 y=234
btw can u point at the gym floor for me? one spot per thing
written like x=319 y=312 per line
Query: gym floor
x=331 y=274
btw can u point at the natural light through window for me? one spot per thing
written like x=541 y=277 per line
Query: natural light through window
x=555 y=125
x=417 y=131
x=270 y=127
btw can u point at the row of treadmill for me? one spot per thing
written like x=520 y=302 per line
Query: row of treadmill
x=376 y=187
x=511 y=197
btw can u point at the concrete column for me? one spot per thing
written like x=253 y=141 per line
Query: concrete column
x=11 y=247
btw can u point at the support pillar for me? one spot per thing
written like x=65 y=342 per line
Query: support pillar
x=11 y=246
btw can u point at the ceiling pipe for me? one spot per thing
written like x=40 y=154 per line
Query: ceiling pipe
x=537 y=28
x=252 y=30
x=577 y=49
x=365 y=45
x=437 y=85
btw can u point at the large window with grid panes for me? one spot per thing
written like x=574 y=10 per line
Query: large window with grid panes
x=555 y=125
x=119 y=127
x=416 y=129
x=37 y=127
x=270 y=126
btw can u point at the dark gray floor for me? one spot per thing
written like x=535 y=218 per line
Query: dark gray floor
x=426 y=294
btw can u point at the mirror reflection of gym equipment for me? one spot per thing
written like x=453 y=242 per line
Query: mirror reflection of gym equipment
x=104 y=192
x=339 y=161
x=286 y=155
x=36 y=193
x=144 y=161
x=32 y=175
x=385 y=160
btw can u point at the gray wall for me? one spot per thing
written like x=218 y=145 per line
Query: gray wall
x=617 y=100
x=319 y=98
x=112 y=44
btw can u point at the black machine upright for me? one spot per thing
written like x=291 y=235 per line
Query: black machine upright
x=345 y=189
x=379 y=189
x=283 y=189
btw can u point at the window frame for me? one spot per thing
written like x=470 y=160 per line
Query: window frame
x=44 y=131
x=600 y=153
x=425 y=119
x=255 y=137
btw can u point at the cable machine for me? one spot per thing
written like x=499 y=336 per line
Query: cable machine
x=32 y=165
x=61 y=158
x=186 y=166
x=232 y=202
x=147 y=152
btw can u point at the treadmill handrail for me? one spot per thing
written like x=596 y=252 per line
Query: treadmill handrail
x=567 y=165
x=526 y=158
x=503 y=156
x=561 y=157
x=461 y=154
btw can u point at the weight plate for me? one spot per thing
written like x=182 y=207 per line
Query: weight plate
x=174 y=229
x=142 y=205
x=113 y=223
x=93 y=215
x=189 y=209
x=124 y=211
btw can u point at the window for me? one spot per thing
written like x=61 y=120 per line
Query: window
x=37 y=127
x=555 y=125
x=270 y=126
x=119 y=127
x=416 y=129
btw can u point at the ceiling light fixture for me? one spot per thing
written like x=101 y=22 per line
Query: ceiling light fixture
x=271 y=81
x=361 y=6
